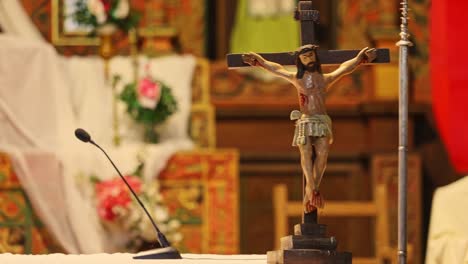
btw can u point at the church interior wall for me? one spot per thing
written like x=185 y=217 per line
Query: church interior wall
x=252 y=115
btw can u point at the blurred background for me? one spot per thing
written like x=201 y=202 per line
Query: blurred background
x=221 y=174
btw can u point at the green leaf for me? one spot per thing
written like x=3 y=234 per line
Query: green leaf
x=94 y=179
x=139 y=170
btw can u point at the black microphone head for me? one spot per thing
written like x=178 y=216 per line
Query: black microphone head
x=82 y=135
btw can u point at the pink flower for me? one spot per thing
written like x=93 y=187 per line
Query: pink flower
x=113 y=194
x=149 y=92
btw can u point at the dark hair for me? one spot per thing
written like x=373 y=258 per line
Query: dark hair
x=301 y=68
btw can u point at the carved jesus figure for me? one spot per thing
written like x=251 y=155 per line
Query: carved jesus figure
x=313 y=133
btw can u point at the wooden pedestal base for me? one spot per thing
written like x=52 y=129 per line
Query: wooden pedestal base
x=308 y=256
x=309 y=244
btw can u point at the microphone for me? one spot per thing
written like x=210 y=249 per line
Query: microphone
x=166 y=252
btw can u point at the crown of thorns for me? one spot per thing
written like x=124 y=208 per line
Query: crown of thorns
x=306 y=48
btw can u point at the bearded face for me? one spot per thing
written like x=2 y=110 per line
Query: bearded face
x=307 y=60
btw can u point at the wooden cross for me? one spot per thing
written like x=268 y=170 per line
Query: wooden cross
x=308 y=17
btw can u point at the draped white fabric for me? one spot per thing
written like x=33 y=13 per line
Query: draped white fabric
x=43 y=98
x=266 y=8
x=15 y=21
x=448 y=233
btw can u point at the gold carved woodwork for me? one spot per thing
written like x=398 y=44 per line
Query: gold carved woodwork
x=157 y=34
x=202 y=121
x=62 y=38
x=385 y=171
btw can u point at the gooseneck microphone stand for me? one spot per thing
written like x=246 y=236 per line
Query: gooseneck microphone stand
x=166 y=252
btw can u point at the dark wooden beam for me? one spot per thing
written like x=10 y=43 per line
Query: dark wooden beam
x=327 y=57
x=308 y=17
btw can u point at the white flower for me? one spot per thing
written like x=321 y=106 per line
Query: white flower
x=145 y=229
x=174 y=224
x=135 y=216
x=101 y=18
x=161 y=214
x=96 y=8
x=119 y=211
x=151 y=190
x=122 y=10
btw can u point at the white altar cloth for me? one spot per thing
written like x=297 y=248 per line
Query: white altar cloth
x=125 y=258
x=43 y=98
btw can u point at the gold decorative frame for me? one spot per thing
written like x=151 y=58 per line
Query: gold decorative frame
x=59 y=38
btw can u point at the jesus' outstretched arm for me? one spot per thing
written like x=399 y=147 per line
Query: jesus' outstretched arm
x=347 y=67
x=254 y=59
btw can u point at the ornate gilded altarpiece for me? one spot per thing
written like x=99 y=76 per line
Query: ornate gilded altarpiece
x=356 y=24
x=202 y=191
x=385 y=172
x=20 y=230
x=188 y=18
x=200 y=188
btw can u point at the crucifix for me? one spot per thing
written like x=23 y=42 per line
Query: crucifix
x=313 y=133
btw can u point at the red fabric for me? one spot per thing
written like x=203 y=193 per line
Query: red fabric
x=449 y=77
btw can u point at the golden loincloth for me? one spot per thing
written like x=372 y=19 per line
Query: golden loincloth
x=314 y=126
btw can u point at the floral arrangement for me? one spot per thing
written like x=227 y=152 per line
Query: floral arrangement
x=105 y=14
x=120 y=213
x=149 y=102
